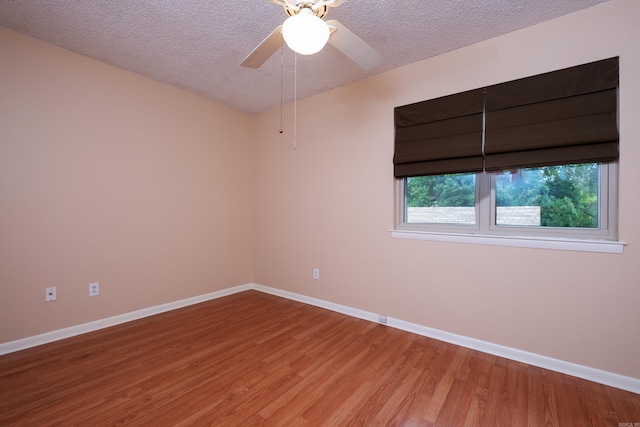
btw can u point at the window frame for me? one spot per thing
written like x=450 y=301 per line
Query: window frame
x=485 y=230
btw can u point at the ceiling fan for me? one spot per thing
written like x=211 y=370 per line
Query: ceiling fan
x=305 y=32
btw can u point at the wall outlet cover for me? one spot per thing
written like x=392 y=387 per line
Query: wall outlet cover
x=94 y=289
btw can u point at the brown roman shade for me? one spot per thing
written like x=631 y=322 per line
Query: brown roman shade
x=442 y=135
x=561 y=117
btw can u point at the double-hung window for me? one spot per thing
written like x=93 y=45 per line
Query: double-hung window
x=533 y=158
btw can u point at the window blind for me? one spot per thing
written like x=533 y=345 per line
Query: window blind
x=561 y=117
x=442 y=135
x=565 y=116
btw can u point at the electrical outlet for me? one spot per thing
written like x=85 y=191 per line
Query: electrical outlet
x=94 y=289
x=382 y=319
x=316 y=273
x=51 y=294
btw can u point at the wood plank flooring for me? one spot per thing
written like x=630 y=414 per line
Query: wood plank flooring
x=253 y=358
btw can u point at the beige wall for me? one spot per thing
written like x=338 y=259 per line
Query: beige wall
x=329 y=205
x=107 y=176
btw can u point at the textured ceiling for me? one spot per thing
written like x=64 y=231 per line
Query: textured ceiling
x=198 y=45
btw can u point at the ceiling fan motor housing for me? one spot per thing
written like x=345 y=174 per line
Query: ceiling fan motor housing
x=319 y=12
x=319 y=7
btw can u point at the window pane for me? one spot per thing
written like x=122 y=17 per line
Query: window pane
x=551 y=196
x=441 y=199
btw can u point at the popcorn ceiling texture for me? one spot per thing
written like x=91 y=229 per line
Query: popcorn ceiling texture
x=197 y=45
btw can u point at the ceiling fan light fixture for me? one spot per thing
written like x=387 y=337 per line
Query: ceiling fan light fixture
x=305 y=33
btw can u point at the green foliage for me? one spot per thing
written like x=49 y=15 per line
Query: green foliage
x=569 y=197
x=457 y=190
x=519 y=189
x=558 y=213
x=420 y=191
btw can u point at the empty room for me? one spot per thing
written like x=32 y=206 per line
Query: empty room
x=429 y=220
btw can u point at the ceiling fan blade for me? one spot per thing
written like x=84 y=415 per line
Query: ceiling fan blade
x=353 y=46
x=268 y=47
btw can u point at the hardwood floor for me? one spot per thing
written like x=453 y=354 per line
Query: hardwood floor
x=253 y=358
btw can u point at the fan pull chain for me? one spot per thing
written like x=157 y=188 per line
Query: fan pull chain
x=295 y=98
x=281 y=84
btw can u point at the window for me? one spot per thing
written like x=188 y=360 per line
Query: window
x=534 y=157
x=571 y=201
x=440 y=199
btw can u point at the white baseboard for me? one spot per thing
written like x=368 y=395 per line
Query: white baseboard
x=579 y=371
x=584 y=372
x=60 y=334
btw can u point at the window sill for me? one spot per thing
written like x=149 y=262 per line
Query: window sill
x=603 y=246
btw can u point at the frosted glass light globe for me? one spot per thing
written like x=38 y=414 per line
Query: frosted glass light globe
x=305 y=33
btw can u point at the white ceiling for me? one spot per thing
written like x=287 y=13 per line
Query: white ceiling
x=198 y=45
